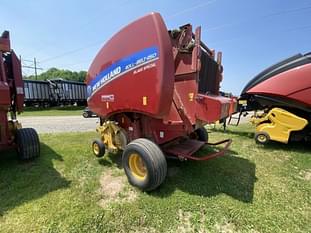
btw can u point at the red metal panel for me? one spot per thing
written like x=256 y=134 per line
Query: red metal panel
x=302 y=96
x=5 y=42
x=293 y=83
x=146 y=88
x=212 y=108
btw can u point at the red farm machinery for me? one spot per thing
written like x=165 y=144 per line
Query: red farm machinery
x=282 y=95
x=154 y=90
x=12 y=135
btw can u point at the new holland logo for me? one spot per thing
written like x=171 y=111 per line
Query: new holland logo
x=123 y=66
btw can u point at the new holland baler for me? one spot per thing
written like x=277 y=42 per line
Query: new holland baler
x=282 y=93
x=154 y=90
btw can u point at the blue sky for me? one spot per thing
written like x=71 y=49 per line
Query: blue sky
x=251 y=34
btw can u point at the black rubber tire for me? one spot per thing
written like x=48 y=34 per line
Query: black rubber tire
x=28 y=144
x=202 y=134
x=153 y=159
x=85 y=115
x=259 y=138
x=101 y=147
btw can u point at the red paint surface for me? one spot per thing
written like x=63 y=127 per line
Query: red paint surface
x=8 y=90
x=294 y=84
x=155 y=83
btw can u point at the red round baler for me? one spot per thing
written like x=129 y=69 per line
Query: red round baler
x=154 y=91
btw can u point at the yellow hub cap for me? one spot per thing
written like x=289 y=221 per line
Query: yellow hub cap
x=137 y=166
x=262 y=138
x=95 y=148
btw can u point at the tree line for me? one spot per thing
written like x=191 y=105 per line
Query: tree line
x=53 y=73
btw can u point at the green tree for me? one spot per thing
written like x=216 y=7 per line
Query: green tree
x=53 y=73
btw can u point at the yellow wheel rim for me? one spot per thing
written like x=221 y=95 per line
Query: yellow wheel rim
x=95 y=148
x=262 y=138
x=137 y=166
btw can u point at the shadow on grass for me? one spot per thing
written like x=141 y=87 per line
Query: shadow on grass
x=238 y=133
x=230 y=175
x=21 y=182
x=300 y=147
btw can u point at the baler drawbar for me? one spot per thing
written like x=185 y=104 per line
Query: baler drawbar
x=154 y=91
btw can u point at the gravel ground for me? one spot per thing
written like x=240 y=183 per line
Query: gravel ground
x=56 y=124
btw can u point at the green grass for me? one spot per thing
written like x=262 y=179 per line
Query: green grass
x=53 y=111
x=252 y=189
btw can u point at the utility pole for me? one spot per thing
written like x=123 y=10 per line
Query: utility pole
x=29 y=64
x=35 y=64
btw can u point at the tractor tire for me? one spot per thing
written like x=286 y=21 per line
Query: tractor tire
x=85 y=115
x=144 y=164
x=201 y=134
x=98 y=148
x=28 y=144
x=262 y=138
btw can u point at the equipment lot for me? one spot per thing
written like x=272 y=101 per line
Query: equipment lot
x=253 y=189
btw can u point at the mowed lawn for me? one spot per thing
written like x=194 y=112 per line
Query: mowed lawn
x=253 y=188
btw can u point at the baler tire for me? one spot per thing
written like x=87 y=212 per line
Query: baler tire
x=262 y=138
x=98 y=148
x=28 y=144
x=153 y=160
x=202 y=134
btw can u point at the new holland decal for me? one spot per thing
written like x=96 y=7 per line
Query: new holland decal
x=122 y=66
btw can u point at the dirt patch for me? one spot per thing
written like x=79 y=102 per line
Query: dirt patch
x=115 y=188
x=305 y=175
x=186 y=225
x=145 y=230
x=225 y=227
x=184 y=222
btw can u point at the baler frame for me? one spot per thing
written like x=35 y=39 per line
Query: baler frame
x=12 y=135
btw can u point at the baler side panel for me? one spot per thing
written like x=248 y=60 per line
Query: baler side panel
x=145 y=85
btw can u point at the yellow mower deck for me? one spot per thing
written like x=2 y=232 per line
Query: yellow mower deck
x=277 y=125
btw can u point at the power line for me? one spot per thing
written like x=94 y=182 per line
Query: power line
x=251 y=35
x=192 y=8
x=71 y=51
x=31 y=64
x=174 y=15
x=283 y=12
x=100 y=42
x=83 y=26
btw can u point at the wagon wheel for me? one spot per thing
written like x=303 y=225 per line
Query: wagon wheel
x=85 y=115
x=144 y=164
x=98 y=148
x=262 y=138
x=200 y=134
